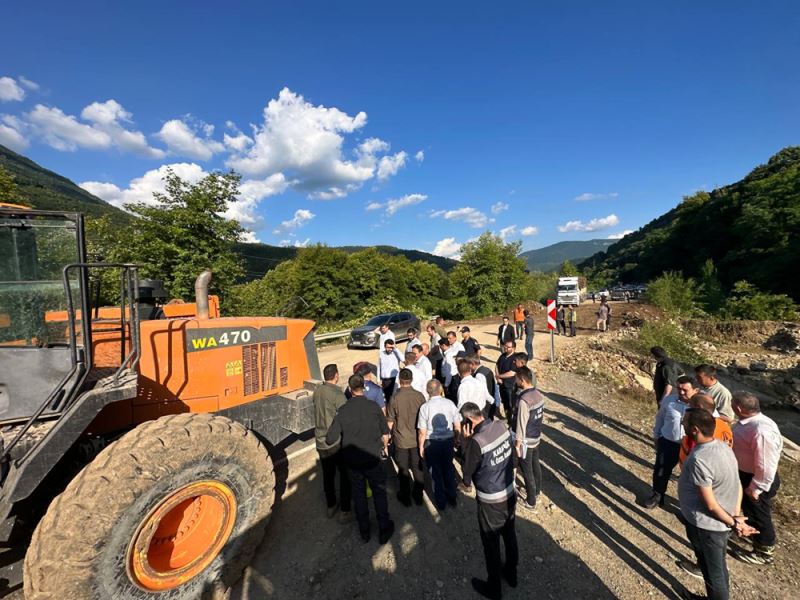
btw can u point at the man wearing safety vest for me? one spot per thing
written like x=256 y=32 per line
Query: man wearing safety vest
x=488 y=463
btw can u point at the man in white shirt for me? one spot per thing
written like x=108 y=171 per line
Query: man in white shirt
x=438 y=423
x=757 y=444
x=386 y=334
x=418 y=382
x=423 y=362
x=413 y=340
x=389 y=361
x=471 y=389
x=450 y=353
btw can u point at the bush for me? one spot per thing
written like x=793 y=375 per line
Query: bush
x=669 y=336
x=673 y=294
x=747 y=302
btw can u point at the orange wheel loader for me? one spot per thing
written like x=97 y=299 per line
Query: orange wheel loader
x=134 y=438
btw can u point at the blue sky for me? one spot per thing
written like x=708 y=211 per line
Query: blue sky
x=419 y=125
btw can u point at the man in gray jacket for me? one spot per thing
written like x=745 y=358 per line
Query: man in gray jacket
x=327 y=399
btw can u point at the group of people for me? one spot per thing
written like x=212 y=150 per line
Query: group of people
x=427 y=410
x=566 y=313
x=729 y=453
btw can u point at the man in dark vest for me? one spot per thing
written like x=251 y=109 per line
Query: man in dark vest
x=488 y=463
x=479 y=370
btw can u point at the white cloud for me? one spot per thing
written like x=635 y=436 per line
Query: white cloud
x=529 y=230
x=499 y=207
x=419 y=156
x=251 y=192
x=586 y=196
x=390 y=165
x=395 y=204
x=248 y=237
x=142 y=188
x=374 y=206
x=296 y=243
x=107 y=117
x=448 y=247
x=10 y=90
x=593 y=225
x=507 y=232
x=238 y=141
x=182 y=139
x=11 y=134
x=305 y=142
x=28 y=84
x=65 y=132
x=471 y=216
x=619 y=236
x=103 y=128
x=301 y=217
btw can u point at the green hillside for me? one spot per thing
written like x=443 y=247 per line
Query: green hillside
x=750 y=229
x=260 y=258
x=551 y=257
x=45 y=190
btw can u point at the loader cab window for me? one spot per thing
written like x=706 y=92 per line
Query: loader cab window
x=33 y=252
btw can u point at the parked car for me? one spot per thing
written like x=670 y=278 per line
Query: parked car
x=367 y=335
x=618 y=294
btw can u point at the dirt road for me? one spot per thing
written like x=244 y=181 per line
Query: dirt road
x=588 y=539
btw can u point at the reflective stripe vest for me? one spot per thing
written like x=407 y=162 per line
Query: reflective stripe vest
x=494 y=479
x=535 y=402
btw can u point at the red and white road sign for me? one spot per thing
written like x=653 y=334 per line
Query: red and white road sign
x=551 y=315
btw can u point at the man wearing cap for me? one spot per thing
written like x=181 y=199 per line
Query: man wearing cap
x=389 y=361
x=471 y=345
x=488 y=463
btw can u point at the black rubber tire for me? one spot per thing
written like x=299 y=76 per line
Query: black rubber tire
x=78 y=550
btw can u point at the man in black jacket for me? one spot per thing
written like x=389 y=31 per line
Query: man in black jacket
x=361 y=426
x=505 y=333
x=666 y=375
x=488 y=464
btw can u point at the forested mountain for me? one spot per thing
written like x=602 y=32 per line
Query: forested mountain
x=551 y=257
x=750 y=229
x=45 y=190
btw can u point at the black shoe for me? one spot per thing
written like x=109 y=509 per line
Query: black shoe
x=653 y=500
x=364 y=534
x=690 y=567
x=486 y=589
x=383 y=536
x=510 y=576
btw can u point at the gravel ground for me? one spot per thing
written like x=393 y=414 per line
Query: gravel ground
x=588 y=538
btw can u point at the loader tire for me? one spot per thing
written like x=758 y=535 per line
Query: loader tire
x=173 y=510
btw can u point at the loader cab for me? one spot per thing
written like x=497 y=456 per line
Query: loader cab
x=45 y=343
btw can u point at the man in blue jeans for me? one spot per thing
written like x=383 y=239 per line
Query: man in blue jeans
x=437 y=424
x=710 y=498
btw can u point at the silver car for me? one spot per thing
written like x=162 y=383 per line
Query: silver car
x=368 y=334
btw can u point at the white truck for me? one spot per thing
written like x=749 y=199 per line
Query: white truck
x=571 y=290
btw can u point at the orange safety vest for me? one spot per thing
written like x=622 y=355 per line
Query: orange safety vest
x=519 y=315
x=722 y=432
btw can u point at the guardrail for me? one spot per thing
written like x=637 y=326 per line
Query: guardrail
x=333 y=335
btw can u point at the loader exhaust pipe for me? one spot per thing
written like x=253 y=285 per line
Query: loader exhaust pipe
x=201 y=293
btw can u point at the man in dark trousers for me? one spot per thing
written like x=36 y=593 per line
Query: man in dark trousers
x=666 y=375
x=471 y=345
x=505 y=372
x=505 y=333
x=327 y=399
x=488 y=463
x=529 y=334
x=361 y=428
x=402 y=417
x=529 y=416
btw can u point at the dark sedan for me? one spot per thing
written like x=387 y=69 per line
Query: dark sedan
x=368 y=334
